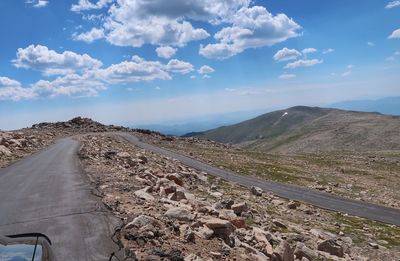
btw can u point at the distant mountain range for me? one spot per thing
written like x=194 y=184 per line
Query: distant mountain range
x=200 y=124
x=312 y=129
x=389 y=105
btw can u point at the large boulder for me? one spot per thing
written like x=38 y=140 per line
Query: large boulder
x=332 y=247
x=4 y=151
x=239 y=208
x=283 y=252
x=222 y=228
x=180 y=213
x=302 y=250
x=144 y=195
x=141 y=221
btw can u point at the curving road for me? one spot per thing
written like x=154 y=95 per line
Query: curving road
x=316 y=198
x=48 y=193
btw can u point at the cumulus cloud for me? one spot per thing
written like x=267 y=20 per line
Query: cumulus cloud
x=37 y=3
x=393 y=4
x=82 y=75
x=49 y=62
x=169 y=23
x=90 y=36
x=72 y=85
x=302 y=63
x=84 y=5
x=165 y=52
x=287 y=76
x=252 y=27
x=135 y=70
x=309 y=50
x=395 y=34
x=12 y=90
x=286 y=54
x=205 y=69
x=178 y=66
x=135 y=22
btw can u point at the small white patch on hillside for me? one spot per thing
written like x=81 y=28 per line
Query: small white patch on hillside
x=286 y=113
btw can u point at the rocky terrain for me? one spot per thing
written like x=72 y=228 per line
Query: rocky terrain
x=370 y=176
x=21 y=143
x=304 y=129
x=171 y=212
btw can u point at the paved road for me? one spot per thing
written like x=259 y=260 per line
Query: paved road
x=48 y=193
x=316 y=198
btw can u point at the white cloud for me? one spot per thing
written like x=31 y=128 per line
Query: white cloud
x=309 y=50
x=348 y=73
x=135 y=23
x=329 y=50
x=206 y=76
x=393 y=4
x=252 y=27
x=84 y=5
x=205 y=69
x=93 y=17
x=393 y=57
x=370 y=44
x=395 y=34
x=193 y=76
x=165 y=52
x=286 y=54
x=37 y=3
x=169 y=23
x=178 y=66
x=71 y=85
x=135 y=70
x=287 y=76
x=350 y=66
x=90 y=36
x=49 y=62
x=12 y=90
x=303 y=63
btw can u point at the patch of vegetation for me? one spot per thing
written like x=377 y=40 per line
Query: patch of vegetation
x=250 y=221
x=357 y=228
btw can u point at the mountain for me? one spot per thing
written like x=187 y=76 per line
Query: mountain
x=200 y=124
x=312 y=129
x=388 y=105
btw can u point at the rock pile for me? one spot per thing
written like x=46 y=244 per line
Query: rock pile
x=171 y=212
x=15 y=145
x=78 y=124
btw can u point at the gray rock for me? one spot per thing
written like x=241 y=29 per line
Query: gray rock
x=332 y=247
x=283 y=252
x=180 y=213
x=239 y=208
x=193 y=257
x=256 y=191
x=302 y=251
x=141 y=221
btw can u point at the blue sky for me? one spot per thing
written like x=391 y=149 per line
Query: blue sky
x=155 y=61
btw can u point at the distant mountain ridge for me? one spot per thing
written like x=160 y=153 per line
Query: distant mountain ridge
x=388 y=105
x=312 y=129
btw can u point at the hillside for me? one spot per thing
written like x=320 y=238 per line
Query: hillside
x=312 y=129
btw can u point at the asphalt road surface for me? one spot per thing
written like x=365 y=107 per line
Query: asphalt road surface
x=47 y=193
x=316 y=198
